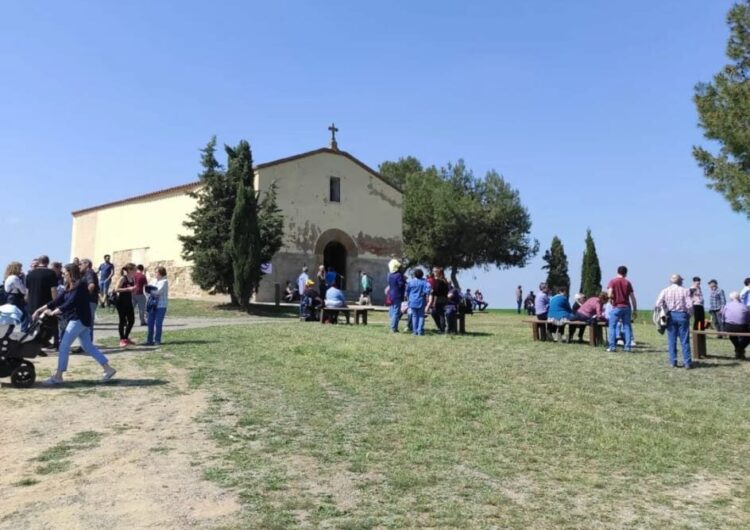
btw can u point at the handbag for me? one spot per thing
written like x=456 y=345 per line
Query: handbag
x=152 y=303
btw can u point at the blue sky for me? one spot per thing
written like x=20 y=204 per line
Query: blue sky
x=583 y=106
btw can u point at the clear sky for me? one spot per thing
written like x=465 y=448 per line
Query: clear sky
x=583 y=106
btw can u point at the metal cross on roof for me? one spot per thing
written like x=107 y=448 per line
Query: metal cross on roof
x=334 y=130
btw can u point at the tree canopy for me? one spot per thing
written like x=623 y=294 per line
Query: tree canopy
x=556 y=266
x=206 y=244
x=456 y=220
x=228 y=205
x=724 y=115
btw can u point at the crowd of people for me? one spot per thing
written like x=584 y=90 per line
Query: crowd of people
x=674 y=308
x=72 y=293
x=414 y=298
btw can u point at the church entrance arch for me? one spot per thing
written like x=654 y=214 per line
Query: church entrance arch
x=334 y=255
x=335 y=248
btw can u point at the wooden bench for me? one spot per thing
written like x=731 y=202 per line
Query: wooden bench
x=539 y=329
x=699 y=339
x=360 y=312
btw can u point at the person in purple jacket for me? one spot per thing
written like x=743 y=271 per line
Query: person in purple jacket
x=736 y=318
x=73 y=305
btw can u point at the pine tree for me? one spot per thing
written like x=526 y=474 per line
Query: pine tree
x=206 y=244
x=245 y=230
x=591 y=272
x=557 y=266
x=724 y=114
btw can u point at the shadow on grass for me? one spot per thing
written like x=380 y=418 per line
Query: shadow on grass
x=175 y=342
x=698 y=365
x=118 y=382
x=261 y=310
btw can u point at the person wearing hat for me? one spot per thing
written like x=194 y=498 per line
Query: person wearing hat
x=678 y=304
x=396 y=291
x=310 y=301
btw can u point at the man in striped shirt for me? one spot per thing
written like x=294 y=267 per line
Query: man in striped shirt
x=678 y=304
x=716 y=302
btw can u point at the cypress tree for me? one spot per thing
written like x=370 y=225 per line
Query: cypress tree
x=206 y=244
x=556 y=266
x=591 y=272
x=245 y=238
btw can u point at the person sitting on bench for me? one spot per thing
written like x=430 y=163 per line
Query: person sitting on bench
x=310 y=302
x=592 y=309
x=334 y=299
x=559 y=312
x=736 y=318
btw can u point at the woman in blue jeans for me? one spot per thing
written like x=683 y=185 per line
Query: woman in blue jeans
x=73 y=305
x=159 y=296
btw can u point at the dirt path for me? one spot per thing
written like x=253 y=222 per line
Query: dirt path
x=124 y=455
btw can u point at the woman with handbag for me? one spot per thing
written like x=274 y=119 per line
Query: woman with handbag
x=157 y=306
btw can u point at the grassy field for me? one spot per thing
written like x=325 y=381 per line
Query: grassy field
x=353 y=427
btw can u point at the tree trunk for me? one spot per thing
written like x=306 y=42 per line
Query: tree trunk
x=233 y=299
x=454 y=277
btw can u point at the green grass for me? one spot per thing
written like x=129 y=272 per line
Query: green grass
x=55 y=459
x=352 y=427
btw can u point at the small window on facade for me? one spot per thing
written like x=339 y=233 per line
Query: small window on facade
x=335 y=194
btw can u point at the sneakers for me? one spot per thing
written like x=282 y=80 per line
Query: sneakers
x=148 y=343
x=52 y=381
x=130 y=342
x=611 y=350
x=124 y=343
x=108 y=374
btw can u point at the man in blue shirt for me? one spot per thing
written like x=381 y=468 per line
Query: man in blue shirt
x=417 y=291
x=106 y=271
x=396 y=289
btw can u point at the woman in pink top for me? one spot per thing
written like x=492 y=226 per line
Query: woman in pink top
x=591 y=309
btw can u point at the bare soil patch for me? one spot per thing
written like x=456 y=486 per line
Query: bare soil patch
x=122 y=455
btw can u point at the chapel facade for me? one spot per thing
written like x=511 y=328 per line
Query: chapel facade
x=337 y=212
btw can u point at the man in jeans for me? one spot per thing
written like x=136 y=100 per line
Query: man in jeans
x=678 y=303
x=624 y=309
x=106 y=272
x=139 y=296
x=396 y=291
x=716 y=302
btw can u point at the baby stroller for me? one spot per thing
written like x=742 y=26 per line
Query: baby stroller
x=17 y=346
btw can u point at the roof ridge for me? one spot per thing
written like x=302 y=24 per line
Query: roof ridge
x=264 y=165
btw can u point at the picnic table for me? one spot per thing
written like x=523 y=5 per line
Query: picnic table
x=360 y=314
x=539 y=329
x=699 y=339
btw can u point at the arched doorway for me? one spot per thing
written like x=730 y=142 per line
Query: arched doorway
x=334 y=255
x=335 y=248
